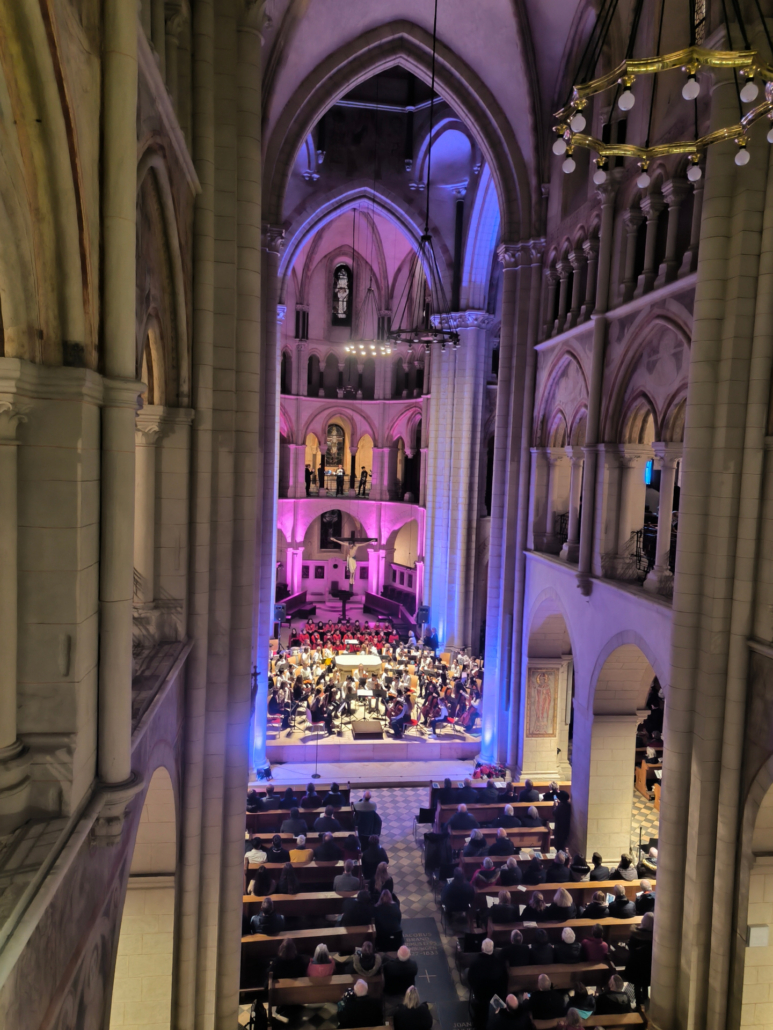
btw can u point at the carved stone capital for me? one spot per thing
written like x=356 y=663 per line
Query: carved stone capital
x=148 y=426
x=632 y=219
x=651 y=205
x=176 y=14
x=591 y=248
x=10 y=417
x=509 y=255
x=272 y=237
x=252 y=16
x=667 y=454
x=564 y=269
x=674 y=191
x=108 y=826
x=472 y=319
x=576 y=259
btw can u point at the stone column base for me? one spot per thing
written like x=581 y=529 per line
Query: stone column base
x=14 y=786
x=108 y=826
x=659 y=581
x=570 y=552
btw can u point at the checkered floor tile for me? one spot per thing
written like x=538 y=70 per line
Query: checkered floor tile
x=644 y=818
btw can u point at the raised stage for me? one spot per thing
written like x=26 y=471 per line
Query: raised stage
x=300 y=746
x=370 y=774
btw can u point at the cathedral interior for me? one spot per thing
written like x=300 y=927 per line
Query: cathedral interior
x=427 y=345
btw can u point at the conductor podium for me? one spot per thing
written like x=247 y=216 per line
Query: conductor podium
x=367 y=729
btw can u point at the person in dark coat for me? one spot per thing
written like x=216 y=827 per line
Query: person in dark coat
x=467 y=794
x=579 y=870
x=546 y=1002
x=510 y=874
x=289 y=965
x=536 y=911
x=514 y=1016
x=400 y=972
x=358 y=1009
x=462 y=820
x=645 y=901
x=534 y=872
x=532 y=819
x=562 y=817
x=447 y=793
x=358 y=911
x=268 y=920
x=294 y=824
x=270 y=800
x=489 y=795
x=508 y=818
x=558 y=871
x=477 y=845
x=504 y=911
x=413 y=1013
x=502 y=845
x=487 y=975
x=569 y=950
x=621 y=907
x=327 y=823
x=597 y=908
x=372 y=857
x=528 y=793
x=311 y=798
x=599 y=871
x=288 y=801
x=542 y=950
x=307 y=476
x=516 y=953
x=458 y=895
x=277 y=853
x=562 y=908
x=328 y=850
x=612 y=999
x=387 y=919
x=638 y=969
x=254 y=804
x=334 y=797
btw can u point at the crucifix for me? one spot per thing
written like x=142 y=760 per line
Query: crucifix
x=348 y=546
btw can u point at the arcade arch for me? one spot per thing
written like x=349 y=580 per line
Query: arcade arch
x=549 y=677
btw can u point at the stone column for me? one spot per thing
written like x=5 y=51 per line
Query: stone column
x=353 y=478
x=297 y=463
x=158 y=33
x=176 y=17
x=667 y=456
x=651 y=205
x=576 y=260
x=633 y=219
x=570 y=550
x=379 y=472
x=612 y=760
x=148 y=430
x=591 y=248
x=14 y=757
x=551 y=280
x=294 y=568
x=674 y=191
x=556 y=459
x=300 y=370
x=564 y=271
x=631 y=513
x=419 y=581
x=423 y=478
x=690 y=259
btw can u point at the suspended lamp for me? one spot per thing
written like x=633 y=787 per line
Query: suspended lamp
x=748 y=66
x=422 y=315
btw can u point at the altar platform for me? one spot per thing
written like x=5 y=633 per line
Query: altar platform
x=371 y=774
x=299 y=746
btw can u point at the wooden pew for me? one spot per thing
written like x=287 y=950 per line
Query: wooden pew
x=300 y=789
x=540 y=785
x=521 y=836
x=337 y=938
x=640 y=778
x=562 y=976
x=316 y=990
x=656 y=792
x=313 y=837
x=321 y=903
x=500 y=932
x=582 y=893
x=308 y=872
x=610 y=1022
x=488 y=813
x=269 y=822
x=470 y=865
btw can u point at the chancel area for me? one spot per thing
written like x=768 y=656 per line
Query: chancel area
x=386 y=510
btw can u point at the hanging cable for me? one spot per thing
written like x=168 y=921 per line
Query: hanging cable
x=655 y=79
x=431 y=119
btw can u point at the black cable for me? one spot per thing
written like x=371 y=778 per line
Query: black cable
x=431 y=120
x=654 y=92
x=634 y=30
x=764 y=25
x=692 y=22
x=741 y=25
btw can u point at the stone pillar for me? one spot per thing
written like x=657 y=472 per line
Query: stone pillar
x=556 y=460
x=176 y=17
x=651 y=205
x=380 y=471
x=591 y=249
x=690 y=259
x=353 y=476
x=14 y=757
x=631 y=516
x=423 y=477
x=148 y=430
x=576 y=260
x=294 y=568
x=612 y=760
x=297 y=469
x=633 y=219
x=419 y=581
x=564 y=271
x=551 y=280
x=300 y=370
x=667 y=456
x=674 y=191
x=570 y=550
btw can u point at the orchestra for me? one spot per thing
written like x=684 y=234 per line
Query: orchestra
x=408 y=684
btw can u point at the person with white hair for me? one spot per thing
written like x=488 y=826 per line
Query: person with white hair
x=502 y=845
x=476 y=845
x=463 y=820
x=612 y=1000
x=532 y=818
x=508 y=819
x=513 y=1016
x=300 y=853
x=510 y=874
x=648 y=864
x=400 y=972
x=569 y=950
x=645 y=899
x=546 y=1001
x=358 y=1008
x=413 y=1013
x=486 y=976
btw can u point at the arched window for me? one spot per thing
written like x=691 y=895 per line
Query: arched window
x=313 y=377
x=335 y=446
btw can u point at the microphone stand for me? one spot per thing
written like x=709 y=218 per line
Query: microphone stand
x=315 y=775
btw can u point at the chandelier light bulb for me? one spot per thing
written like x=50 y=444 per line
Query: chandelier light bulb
x=578 y=122
x=569 y=165
x=559 y=147
x=626 y=100
x=691 y=89
x=742 y=157
x=750 y=91
x=643 y=181
x=599 y=176
x=694 y=172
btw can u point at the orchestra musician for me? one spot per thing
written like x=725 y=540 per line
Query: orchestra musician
x=399 y=714
x=320 y=711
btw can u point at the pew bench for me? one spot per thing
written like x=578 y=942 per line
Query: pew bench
x=321 y=903
x=487 y=813
x=337 y=938
x=307 y=872
x=299 y=789
x=614 y=929
x=562 y=975
x=313 y=837
x=471 y=864
x=539 y=785
x=582 y=892
x=521 y=836
x=269 y=822
x=618 y=1022
x=316 y=990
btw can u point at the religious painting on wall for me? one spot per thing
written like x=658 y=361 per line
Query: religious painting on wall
x=330 y=526
x=541 y=693
x=335 y=447
x=342 y=295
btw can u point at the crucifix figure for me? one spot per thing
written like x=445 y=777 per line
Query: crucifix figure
x=348 y=546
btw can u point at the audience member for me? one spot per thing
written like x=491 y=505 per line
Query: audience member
x=277 y=852
x=645 y=900
x=372 y=856
x=583 y=1002
x=476 y=845
x=334 y=797
x=387 y=920
x=546 y=1002
x=489 y=795
x=534 y=872
x=300 y=853
x=347 y=881
x=532 y=818
x=562 y=819
x=358 y=1008
x=327 y=822
x=551 y=794
x=595 y=948
x=311 y=798
x=597 y=908
x=510 y=874
x=638 y=969
x=399 y=972
x=289 y=800
x=536 y=911
x=612 y=1000
x=528 y=793
x=502 y=845
x=508 y=819
x=541 y=950
x=458 y=895
x=487 y=875
x=558 y=871
x=256 y=854
x=352 y=848
x=621 y=907
x=413 y=1013
x=293 y=824
x=321 y=963
x=267 y=921
x=487 y=975
x=462 y=820
x=516 y=953
x=513 y=1016
x=447 y=793
x=467 y=793
x=569 y=950
x=254 y=804
x=599 y=871
x=288 y=881
x=289 y=965
x=504 y=911
x=579 y=870
x=270 y=801
x=625 y=870
x=328 y=850
x=358 y=911
x=366 y=962
x=365 y=804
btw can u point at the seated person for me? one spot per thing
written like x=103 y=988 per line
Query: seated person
x=509 y=793
x=347 y=880
x=514 y=1016
x=510 y=874
x=562 y=908
x=612 y=1000
x=254 y=804
x=579 y=870
x=270 y=800
x=400 y=972
x=489 y=795
x=293 y=824
x=508 y=818
x=536 y=911
x=476 y=845
x=532 y=818
x=334 y=797
x=487 y=974
x=462 y=820
x=352 y=848
x=467 y=794
x=372 y=857
x=358 y=1009
x=327 y=822
x=599 y=871
x=413 y=1013
x=528 y=793
x=358 y=911
x=516 y=953
x=365 y=962
x=541 y=951
x=268 y=921
x=546 y=1002
x=487 y=875
x=597 y=908
x=328 y=850
x=551 y=794
x=648 y=864
x=504 y=911
x=289 y=965
x=288 y=801
x=583 y=1002
x=256 y=853
x=534 y=872
x=569 y=950
x=300 y=853
x=502 y=845
x=311 y=798
x=288 y=881
x=321 y=963
x=458 y=895
x=645 y=901
x=621 y=907
x=447 y=793
x=595 y=948
x=277 y=852
x=388 y=921
x=558 y=871
x=626 y=870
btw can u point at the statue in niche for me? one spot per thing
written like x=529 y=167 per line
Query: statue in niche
x=342 y=295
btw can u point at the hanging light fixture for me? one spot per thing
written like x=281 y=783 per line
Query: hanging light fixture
x=422 y=313
x=746 y=64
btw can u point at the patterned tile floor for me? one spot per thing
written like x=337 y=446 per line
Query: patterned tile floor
x=397 y=807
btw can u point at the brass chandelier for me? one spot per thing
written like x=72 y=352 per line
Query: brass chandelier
x=749 y=67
